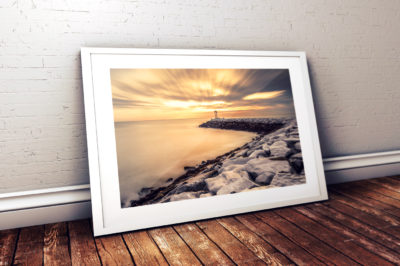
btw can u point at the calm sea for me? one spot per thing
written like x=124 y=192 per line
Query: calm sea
x=150 y=152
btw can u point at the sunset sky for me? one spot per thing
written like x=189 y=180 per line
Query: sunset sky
x=158 y=94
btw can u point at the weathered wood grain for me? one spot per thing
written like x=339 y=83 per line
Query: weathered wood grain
x=291 y=250
x=8 y=242
x=143 y=249
x=260 y=247
x=30 y=246
x=313 y=245
x=364 y=207
x=386 y=183
x=370 y=193
x=201 y=245
x=172 y=246
x=238 y=252
x=83 y=248
x=332 y=238
x=373 y=187
x=112 y=250
x=55 y=250
x=361 y=197
x=371 y=221
x=317 y=215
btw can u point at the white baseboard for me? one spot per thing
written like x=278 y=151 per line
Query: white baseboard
x=43 y=206
x=27 y=208
x=364 y=166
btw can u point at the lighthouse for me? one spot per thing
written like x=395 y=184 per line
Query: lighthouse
x=216 y=114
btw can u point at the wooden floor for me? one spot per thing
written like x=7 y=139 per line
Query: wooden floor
x=358 y=225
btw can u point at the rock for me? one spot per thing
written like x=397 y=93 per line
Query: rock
x=265 y=178
x=291 y=141
x=229 y=182
x=145 y=191
x=265 y=147
x=192 y=186
x=258 y=153
x=285 y=179
x=279 y=149
x=296 y=161
x=262 y=165
x=182 y=196
x=216 y=183
x=297 y=146
x=242 y=153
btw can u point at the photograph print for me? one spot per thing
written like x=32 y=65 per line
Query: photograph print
x=183 y=134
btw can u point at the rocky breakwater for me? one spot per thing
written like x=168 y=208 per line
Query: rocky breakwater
x=272 y=159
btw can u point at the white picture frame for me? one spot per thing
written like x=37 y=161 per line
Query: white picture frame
x=108 y=215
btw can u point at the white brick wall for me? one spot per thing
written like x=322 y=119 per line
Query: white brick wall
x=353 y=49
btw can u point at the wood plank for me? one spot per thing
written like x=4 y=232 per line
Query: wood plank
x=143 y=249
x=373 y=187
x=394 y=178
x=238 y=252
x=112 y=250
x=368 y=219
x=369 y=193
x=313 y=245
x=260 y=247
x=172 y=246
x=387 y=183
x=55 y=250
x=323 y=215
x=391 y=220
x=332 y=238
x=201 y=245
x=30 y=246
x=8 y=242
x=83 y=248
x=291 y=250
x=356 y=195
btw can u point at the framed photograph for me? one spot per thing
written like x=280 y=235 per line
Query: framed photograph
x=182 y=135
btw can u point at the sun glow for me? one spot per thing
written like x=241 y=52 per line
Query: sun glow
x=263 y=95
x=159 y=94
x=190 y=104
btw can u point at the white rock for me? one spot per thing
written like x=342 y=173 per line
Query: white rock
x=184 y=196
x=262 y=165
x=258 y=153
x=216 y=183
x=279 y=149
x=229 y=182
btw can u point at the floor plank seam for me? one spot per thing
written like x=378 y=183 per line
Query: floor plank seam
x=190 y=248
x=15 y=246
x=319 y=239
x=362 y=222
x=283 y=235
x=126 y=246
x=155 y=243
x=222 y=250
x=360 y=238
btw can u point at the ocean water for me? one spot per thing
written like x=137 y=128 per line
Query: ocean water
x=150 y=152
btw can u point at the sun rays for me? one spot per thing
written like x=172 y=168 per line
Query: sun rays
x=156 y=94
